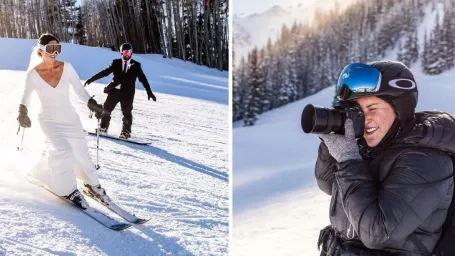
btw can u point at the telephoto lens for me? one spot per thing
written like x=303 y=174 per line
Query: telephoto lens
x=322 y=120
x=316 y=119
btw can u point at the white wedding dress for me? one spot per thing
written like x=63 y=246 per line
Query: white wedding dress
x=69 y=157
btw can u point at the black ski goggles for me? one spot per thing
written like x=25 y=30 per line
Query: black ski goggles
x=357 y=79
x=51 y=48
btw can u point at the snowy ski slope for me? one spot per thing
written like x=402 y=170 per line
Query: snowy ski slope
x=180 y=181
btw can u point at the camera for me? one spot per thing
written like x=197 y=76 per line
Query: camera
x=322 y=120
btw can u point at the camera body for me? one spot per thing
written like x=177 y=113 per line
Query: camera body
x=322 y=120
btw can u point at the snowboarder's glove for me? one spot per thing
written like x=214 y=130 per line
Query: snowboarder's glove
x=343 y=147
x=151 y=95
x=87 y=82
x=95 y=107
x=23 y=118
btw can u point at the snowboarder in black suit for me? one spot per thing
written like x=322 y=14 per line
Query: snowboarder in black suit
x=122 y=88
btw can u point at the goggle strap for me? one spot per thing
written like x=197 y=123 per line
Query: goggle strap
x=40 y=46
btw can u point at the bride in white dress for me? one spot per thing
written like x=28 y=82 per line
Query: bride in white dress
x=69 y=157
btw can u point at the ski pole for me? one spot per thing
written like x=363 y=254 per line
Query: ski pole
x=19 y=148
x=97 y=166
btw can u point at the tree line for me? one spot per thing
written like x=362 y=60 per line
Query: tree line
x=192 y=30
x=307 y=58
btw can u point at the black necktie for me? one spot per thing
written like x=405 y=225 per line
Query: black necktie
x=124 y=68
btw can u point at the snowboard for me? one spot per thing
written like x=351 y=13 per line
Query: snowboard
x=117 y=138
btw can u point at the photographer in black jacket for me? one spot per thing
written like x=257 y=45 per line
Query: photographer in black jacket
x=391 y=187
x=122 y=88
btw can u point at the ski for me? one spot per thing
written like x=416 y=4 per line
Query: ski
x=117 y=138
x=118 y=210
x=99 y=216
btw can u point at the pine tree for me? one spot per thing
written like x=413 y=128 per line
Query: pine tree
x=277 y=81
x=435 y=60
x=408 y=49
x=371 y=49
x=400 y=55
x=354 y=49
x=285 y=34
x=262 y=76
x=448 y=35
x=425 y=54
x=292 y=73
x=241 y=90
x=269 y=46
x=344 y=42
x=268 y=70
x=235 y=92
x=253 y=101
x=266 y=83
x=415 y=47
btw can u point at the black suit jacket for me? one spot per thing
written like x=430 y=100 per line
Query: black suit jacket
x=126 y=80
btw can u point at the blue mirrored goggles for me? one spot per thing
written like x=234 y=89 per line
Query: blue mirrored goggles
x=357 y=79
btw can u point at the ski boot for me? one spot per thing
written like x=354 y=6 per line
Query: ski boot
x=125 y=135
x=96 y=192
x=77 y=199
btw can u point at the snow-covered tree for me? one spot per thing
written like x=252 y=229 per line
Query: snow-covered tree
x=254 y=95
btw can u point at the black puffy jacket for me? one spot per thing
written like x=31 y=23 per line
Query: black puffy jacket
x=378 y=202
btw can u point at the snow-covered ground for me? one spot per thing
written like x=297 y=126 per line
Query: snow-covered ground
x=180 y=181
x=278 y=208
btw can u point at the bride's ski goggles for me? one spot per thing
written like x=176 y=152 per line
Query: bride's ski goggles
x=357 y=79
x=127 y=52
x=51 y=48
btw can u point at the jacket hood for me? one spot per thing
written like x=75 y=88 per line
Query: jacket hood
x=433 y=129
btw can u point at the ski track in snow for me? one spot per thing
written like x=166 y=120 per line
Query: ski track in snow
x=180 y=181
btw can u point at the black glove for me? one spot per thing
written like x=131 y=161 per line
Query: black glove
x=330 y=242
x=151 y=95
x=23 y=118
x=95 y=107
x=87 y=82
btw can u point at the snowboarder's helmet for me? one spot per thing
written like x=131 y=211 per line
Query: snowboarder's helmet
x=126 y=46
x=389 y=80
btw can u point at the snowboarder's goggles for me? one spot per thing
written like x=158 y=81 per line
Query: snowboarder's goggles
x=357 y=78
x=127 y=52
x=51 y=48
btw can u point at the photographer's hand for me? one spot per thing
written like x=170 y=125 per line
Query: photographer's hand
x=343 y=147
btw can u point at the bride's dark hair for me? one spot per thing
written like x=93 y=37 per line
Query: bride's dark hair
x=45 y=39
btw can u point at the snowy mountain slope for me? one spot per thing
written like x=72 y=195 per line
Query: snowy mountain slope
x=426 y=26
x=278 y=208
x=174 y=76
x=255 y=29
x=180 y=181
